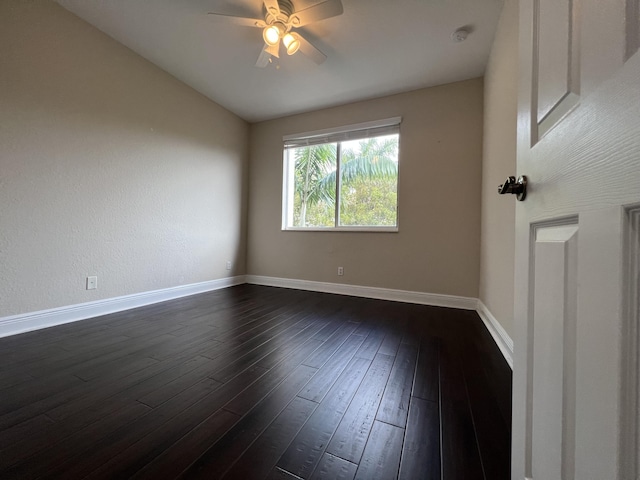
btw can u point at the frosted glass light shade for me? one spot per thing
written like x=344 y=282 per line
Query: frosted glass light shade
x=271 y=35
x=291 y=42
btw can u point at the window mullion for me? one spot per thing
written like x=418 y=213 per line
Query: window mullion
x=338 y=182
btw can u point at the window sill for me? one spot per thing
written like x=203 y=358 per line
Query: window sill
x=342 y=229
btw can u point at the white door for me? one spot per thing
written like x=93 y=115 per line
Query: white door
x=575 y=410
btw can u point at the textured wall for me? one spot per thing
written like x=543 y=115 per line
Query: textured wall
x=498 y=162
x=108 y=167
x=437 y=248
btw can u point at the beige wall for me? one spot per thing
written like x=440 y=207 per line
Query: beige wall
x=499 y=161
x=437 y=248
x=108 y=167
x=111 y=167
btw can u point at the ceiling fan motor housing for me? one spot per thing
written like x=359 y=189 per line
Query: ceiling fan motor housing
x=286 y=9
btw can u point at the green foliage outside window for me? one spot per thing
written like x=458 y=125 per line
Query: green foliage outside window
x=368 y=183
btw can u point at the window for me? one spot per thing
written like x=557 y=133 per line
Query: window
x=342 y=179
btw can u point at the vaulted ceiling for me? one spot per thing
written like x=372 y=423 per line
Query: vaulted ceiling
x=375 y=48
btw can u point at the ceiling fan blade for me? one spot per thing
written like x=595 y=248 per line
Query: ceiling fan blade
x=263 y=58
x=326 y=9
x=237 y=20
x=273 y=49
x=308 y=50
x=272 y=7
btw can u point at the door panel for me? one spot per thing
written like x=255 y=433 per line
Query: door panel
x=598 y=345
x=602 y=41
x=554 y=334
x=555 y=86
x=575 y=410
x=630 y=443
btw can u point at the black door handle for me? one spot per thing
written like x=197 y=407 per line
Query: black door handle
x=515 y=187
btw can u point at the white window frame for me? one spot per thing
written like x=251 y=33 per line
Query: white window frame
x=364 y=130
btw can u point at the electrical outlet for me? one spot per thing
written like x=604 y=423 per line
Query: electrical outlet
x=228 y=264
x=92 y=283
x=340 y=271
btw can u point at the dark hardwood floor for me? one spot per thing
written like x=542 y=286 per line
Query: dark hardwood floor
x=258 y=383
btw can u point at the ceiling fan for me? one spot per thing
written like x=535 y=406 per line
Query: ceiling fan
x=279 y=27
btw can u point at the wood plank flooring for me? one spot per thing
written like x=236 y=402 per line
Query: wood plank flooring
x=258 y=382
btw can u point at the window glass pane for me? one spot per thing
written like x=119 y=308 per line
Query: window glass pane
x=369 y=182
x=314 y=185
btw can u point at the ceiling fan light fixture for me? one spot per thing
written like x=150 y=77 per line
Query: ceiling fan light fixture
x=291 y=42
x=272 y=33
x=280 y=22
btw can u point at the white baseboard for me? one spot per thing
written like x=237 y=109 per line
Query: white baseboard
x=56 y=316
x=27 y=322
x=499 y=334
x=452 y=301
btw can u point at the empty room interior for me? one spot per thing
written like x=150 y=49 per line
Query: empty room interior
x=175 y=304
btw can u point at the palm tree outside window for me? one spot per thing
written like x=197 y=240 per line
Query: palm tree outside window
x=348 y=183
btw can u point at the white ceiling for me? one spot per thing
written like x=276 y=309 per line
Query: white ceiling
x=375 y=48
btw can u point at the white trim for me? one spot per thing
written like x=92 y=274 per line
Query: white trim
x=367 y=229
x=27 y=322
x=451 y=301
x=386 y=122
x=57 y=316
x=499 y=334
